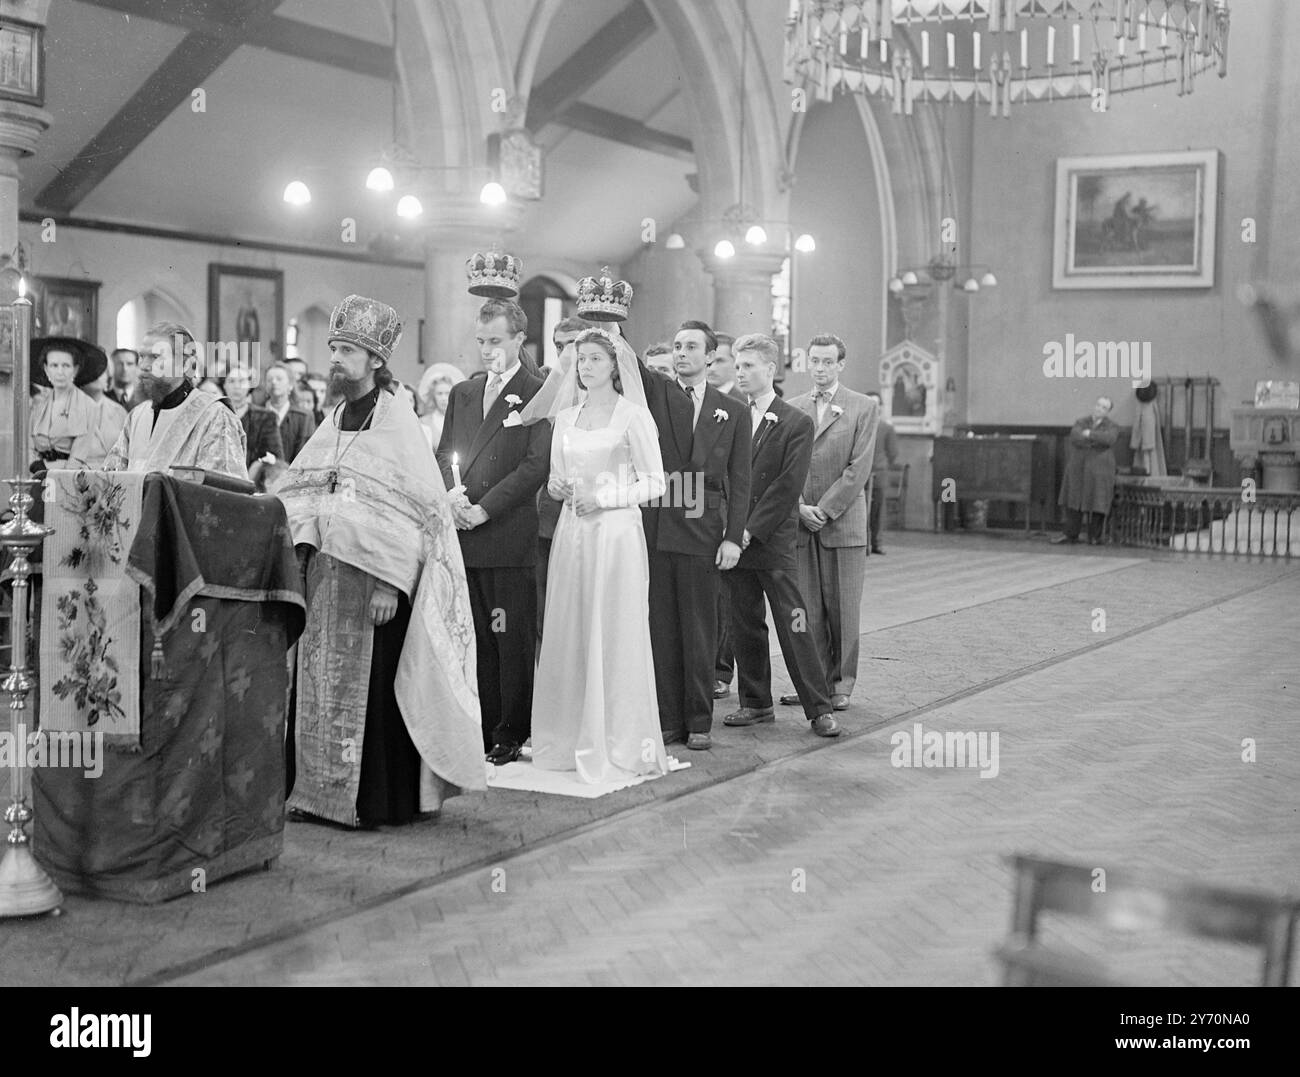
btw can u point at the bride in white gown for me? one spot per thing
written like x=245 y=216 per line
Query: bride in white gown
x=594 y=701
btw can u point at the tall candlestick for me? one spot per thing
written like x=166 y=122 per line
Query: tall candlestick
x=22 y=314
x=1074 y=32
x=976 y=40
x=455 y=469
x=1051 y=45
x=1024 y=48
x=925 y=48
x=952 y=51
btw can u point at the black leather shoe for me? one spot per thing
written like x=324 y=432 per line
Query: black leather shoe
x=501 y=754
x=721 y=689
x=876 y=549
x=674 y=738
x=790 y=701
x=750 y=716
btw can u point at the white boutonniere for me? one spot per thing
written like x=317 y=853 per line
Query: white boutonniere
x=513 y=400
x=513 y=419
x=770 y=416
x=719 y=415
x=836 y=410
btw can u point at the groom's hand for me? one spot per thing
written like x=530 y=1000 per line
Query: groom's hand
x=728 y=555
x=474 y=516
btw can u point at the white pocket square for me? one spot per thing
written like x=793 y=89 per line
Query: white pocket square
x=512 y=419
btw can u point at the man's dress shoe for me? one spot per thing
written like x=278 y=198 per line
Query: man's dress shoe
x=840 y=702
x=790 y=701
x=699 y=742
x=750 y=716
x=824 y=725
x=501 y=754
x=674 y=738
x=721 y=689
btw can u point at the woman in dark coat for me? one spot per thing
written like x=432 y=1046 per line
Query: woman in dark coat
x=1089 y=482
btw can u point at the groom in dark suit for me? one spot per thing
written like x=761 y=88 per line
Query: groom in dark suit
x=502 y=466
x=693 y=532
x=782 y=451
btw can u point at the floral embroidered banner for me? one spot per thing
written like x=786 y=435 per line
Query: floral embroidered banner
x=90 y=608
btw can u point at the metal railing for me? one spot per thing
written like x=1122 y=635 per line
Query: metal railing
x=1211 y=520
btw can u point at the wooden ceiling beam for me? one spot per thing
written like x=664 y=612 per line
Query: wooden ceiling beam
x=289 y=37
x=590 y=62
x=613 y=127
x=197 y=56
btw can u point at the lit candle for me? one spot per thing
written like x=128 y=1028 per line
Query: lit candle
x=1142 y=36
x=21 y=382
x=977 y=50
x=952 y=51
x=794 y=10
x=844 y=42
x=1119 y=48
x=455 y=469
x=1051 y=45
x=866 y=42
x=1164 y=30
x=1024 y=48
x=1075 y=34
x=925 y=48
x=884 y=51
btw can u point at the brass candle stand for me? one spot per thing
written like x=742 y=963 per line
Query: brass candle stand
x=25 y=889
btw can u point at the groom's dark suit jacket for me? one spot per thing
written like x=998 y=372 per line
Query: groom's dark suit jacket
x=501 y=468
x=711 y=464
x=782 y=454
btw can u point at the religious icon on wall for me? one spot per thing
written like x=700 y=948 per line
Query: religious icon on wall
x=518 y=161
x=909 y=387
x=246 y=309
x=66 y=307
x=22 y=66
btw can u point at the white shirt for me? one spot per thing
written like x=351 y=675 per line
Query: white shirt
x=822 y=405
x=280 y=412
x=697 y=398
x=760 y=406
x=505 y=378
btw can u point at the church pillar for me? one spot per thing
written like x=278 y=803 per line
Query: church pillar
x=457 y=228
x=21 y=126
x=742 y=291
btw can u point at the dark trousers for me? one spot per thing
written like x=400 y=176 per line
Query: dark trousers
x=877 y=499
x=746 y=588
x=1074 y=524
x=724 y=665
x=504 y=601
x=543 y=561
x=683 y=638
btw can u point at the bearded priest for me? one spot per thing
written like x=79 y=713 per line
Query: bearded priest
x=183 y=427
x=387 y=712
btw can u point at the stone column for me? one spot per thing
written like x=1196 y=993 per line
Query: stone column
x=742 y=290
x=21 y=126
x=456 y=228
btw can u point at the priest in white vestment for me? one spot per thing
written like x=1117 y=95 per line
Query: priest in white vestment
x=181 y=427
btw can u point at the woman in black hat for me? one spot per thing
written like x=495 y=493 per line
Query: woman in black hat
x=69 y=429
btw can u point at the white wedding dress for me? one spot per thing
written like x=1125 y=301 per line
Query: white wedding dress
x=594 y=701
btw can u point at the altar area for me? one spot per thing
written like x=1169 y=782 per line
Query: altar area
x=164 y=613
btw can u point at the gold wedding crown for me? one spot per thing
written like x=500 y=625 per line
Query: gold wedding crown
x=494 y=275
x=602 y=299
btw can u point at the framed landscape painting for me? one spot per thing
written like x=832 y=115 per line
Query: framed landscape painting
x=1142 y=220
x=246 y=304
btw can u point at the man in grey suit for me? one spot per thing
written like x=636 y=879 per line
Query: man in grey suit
x=833 y=536
x=886 y=457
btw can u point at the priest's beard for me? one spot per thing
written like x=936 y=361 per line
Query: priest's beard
x=156 y=389
x=343 y=386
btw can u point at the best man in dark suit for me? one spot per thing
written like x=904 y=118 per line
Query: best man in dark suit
x=502 y=466
x=782 y=452
x=722 y=376
x=694 y=531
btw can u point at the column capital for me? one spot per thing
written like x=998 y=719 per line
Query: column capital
x=461 y=220
x=747 y=267
x=21 y=127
